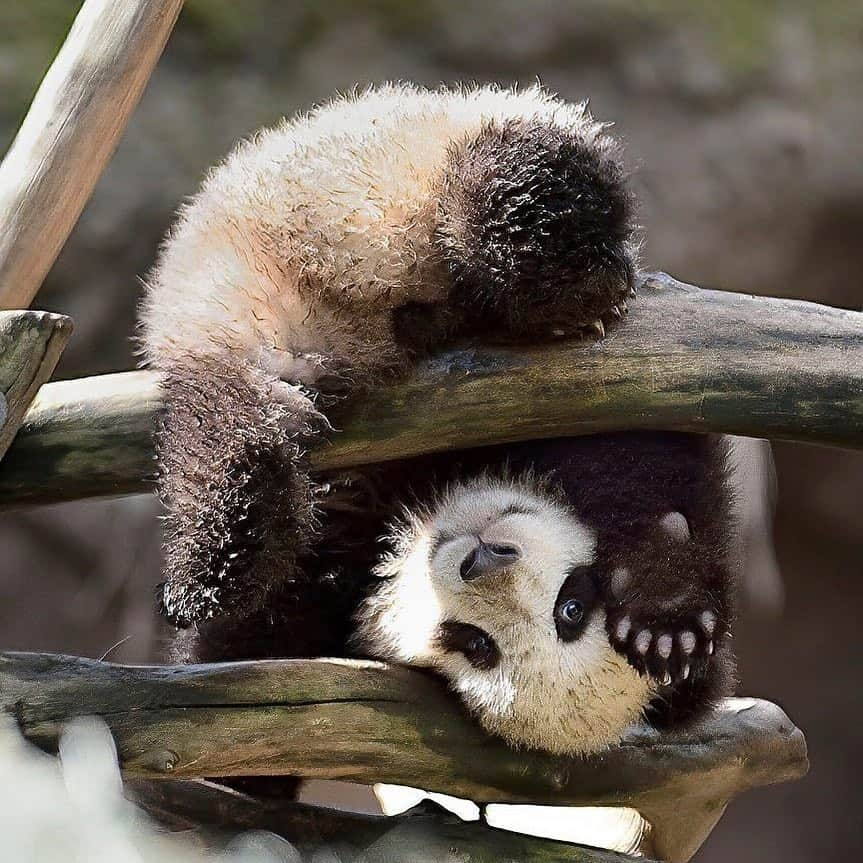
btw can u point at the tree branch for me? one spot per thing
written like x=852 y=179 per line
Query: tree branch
x=426 y=834
x=366 y=722
x=684 y=358
x=71 y=131
x=30 y=347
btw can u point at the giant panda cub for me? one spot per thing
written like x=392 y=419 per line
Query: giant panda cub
x=333 y=251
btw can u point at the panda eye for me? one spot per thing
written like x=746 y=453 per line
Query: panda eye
x=476 y=645
x=572 y=611
x=576 y=599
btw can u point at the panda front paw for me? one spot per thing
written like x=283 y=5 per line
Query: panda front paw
x=671 y=647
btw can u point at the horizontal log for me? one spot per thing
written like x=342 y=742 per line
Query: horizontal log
x=684 y=358
x=30 y=347
x=71 y=131
x=427 y=834
x=367 y=722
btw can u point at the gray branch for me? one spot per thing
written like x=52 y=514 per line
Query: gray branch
x=30 y=347
x=71 y=131
x=684 y=358
x=366 y=722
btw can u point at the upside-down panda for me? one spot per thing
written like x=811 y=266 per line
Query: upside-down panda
x=564 y=589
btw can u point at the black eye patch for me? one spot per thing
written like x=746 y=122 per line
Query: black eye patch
x=475 y=644
x=575 y=602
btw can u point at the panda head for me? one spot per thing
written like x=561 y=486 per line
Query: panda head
x=495 y=589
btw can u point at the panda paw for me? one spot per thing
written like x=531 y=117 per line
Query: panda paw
x=668 y=648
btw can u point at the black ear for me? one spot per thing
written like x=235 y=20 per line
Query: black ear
x=536 y=222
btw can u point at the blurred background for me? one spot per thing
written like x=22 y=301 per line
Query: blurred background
x=744 y=124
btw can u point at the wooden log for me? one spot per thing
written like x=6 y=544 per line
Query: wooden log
x=366 y=722
x=684 y=358
x=71 y=131
x=30 y=346
x=426 y=834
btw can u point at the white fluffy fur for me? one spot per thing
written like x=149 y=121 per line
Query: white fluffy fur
x=331 y=211
x=59 y=810
x=564 y=697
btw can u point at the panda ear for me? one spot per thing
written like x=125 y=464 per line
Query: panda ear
x=675 y=525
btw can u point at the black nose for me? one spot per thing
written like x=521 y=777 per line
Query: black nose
x=487 y=558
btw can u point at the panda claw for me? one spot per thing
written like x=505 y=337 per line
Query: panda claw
x=632 y=292
x=685 y=675
x=597 y=327
x=710 y=647
x=616 y=311
x=666 y=679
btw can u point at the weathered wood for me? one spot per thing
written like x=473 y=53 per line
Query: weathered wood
x=71 y=131
x=683 y=358
x=30 y=346
x=366 y=722
x=426 y=834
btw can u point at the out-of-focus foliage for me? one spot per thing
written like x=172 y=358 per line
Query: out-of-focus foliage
x=53 y=810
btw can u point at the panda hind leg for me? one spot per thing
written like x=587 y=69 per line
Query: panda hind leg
x=239 y=505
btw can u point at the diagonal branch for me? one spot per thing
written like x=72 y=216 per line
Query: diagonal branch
x=71 y=131
x=684 y=358
x=367 y=722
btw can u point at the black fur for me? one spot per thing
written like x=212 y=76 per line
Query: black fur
x=537 y=226
x=239 y=506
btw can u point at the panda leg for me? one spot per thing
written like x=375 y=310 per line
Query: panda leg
x=239 y=503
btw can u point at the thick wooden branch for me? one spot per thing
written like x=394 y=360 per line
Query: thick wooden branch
x=684 y=358
x=366 y=722
x=427 y=834
x=71 y=131
x=30 y=346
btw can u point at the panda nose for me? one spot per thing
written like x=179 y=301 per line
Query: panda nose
x=487 y=558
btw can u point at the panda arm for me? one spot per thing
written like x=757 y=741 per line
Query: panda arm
x=238 y=500
x=664 y=529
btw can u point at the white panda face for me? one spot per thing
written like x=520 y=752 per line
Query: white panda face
x=496 y=591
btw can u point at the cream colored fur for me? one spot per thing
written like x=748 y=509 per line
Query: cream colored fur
x=300 y=244
x=574 y=697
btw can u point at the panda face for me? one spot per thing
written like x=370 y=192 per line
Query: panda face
x=496 y=590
